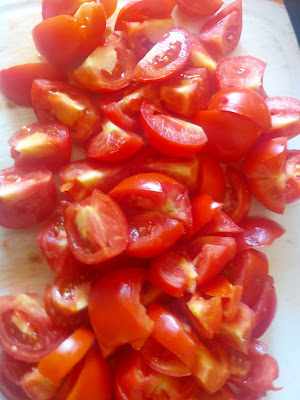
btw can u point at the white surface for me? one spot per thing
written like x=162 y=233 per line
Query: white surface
x=267 y=34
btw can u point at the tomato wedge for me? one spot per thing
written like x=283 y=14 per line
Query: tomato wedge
x=292 y=167
x=203 y=8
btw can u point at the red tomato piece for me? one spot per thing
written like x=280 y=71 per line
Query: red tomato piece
x=250 y=269
x=108 y=68
x=151 y=233
x=221 y=223
x=53 y=100
x=223 y=131
x=16 y=82
x=211 y=178
x=13 y=369
x=112 y=143
x=142 y=36
x=79 y=178
x=169 y=331
x=200 y=57
x=258 y=231
x=244 y=102
x=187 y=93
x=142 y=10
x=10 y=390
x=195 y=245
x=292 y=168
x=118 y=293
x=165 y=133
x=285 y=115
x=222 y=32
x=225 y=393
x=41 y=145
x=59 y=363
x=96 y=227
x=264 y=167
x=166 y=58
x=162 y=360
x=58 y=39
x=201 y=8
x=237 y=199
x=203 y=208
x=133 y=378
x=242 y=72
x=27 y=332
x=156 y=192
x=174 y=273
x=26 y=197
x=92 y=380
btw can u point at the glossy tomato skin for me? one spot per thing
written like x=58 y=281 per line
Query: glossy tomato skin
x=164 y=132
x=26 y=197
x=118 y=293
x=96 y=227
x=53 y=100
x=230 y=136
x=211 y=178
x=203 y=208
x=27 y=332
x=16 y=82
x=108 y=68
x=165 y=59
x=222 y=32
x=41 y=145
x=142 y=10
x=244 y=102
x=199 y=9
x=292 y=176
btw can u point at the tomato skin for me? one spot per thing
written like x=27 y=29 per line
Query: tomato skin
x=222 y=32
x=16 y=81
x=165 y=59
x=51 y=8
x=221 y=223
x=199 y=9
x=58 y=39
x=96 y=227
x=203 y=208
x=108 y=68
x=230 y=136
x=10 y=390
x=292 y=176
x=26 y=197
x=116 y=291
x=164 y=132
x=141 y=10
x=258 y=231
x=53 y=100
x=26 y=312
x=41 y=145
x=112 y=143
x=244 y=102
x=13 y=369
x=211 y=178
x=151 y=233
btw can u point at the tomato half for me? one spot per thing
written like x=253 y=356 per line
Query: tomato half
x=96 y=227
x=199 y=9
x=108 y=68
x=292 y=168
x=141 y=10
x=230 y=136
x=166 y=58
x=16 y=82
x=26 y=197
x=41 y=145
x=116 y=312
x=53 y=100
x=27 y=332
x=168 y=135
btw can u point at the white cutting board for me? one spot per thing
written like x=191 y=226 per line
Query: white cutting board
x=267 y=34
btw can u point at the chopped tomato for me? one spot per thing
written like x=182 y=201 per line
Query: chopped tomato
x=13 y=369
x=108 y=68
x=200 y=57
x=51 y=8
x=16 y=81
x=96 y=227
x=10 y=390
x=292 y=168
x=201 y=8
x=221 y=223
x=41 y=145
x=222 y=32
x=258 y=231
x=37 y=386
x=27 y=197
x=116 y=312
x=142 y=10
x=151 y=233
x=195 y=245
x=53 y=100
x=112 y=143
x=203 y=208
x=27 y=332
x=168 y=135
x=211 y=178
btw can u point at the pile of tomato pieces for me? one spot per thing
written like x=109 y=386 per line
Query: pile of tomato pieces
x=160 y=293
